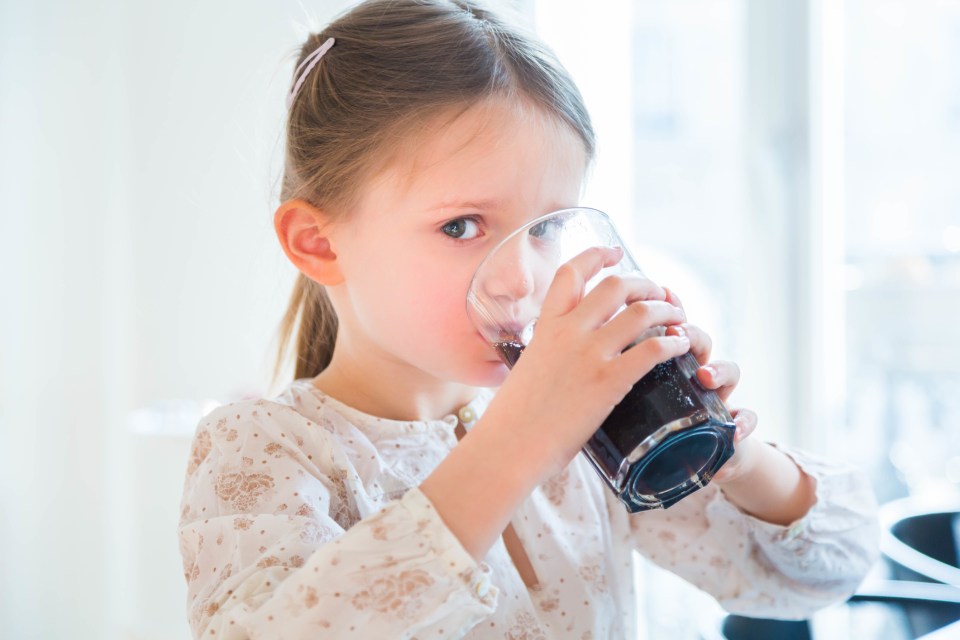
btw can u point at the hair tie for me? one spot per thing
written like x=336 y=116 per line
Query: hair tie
x=307 y=65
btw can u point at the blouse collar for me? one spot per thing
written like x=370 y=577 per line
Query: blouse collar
x=467 y=415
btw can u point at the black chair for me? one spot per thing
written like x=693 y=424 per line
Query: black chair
x=921 y=541
x=734 y=627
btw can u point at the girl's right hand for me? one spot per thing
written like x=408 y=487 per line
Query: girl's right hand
x=577 y=366
x=574 y=371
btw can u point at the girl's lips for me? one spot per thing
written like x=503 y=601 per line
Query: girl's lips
x=503 y=333
x=511 y=331
x=517 y=329
x=521 y=333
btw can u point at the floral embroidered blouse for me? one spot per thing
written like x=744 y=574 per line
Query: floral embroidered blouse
x=302 y=518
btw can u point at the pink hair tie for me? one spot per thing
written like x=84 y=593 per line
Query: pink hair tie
x=307 y=66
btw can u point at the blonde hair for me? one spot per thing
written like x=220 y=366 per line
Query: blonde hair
x=395 y=63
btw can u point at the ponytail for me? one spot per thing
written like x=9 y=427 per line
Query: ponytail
x=311 y=314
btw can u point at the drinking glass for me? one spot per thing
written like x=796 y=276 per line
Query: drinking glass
x=669 y=435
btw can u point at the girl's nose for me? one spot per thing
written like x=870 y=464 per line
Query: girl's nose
x=510 y=277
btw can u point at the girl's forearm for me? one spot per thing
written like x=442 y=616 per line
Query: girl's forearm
x=478 y=487
x=774 y=488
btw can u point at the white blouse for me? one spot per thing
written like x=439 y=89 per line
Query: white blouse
x=302 y=518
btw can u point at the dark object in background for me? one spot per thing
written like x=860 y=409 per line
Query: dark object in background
x=921 y=542
x=742 y=628
x=913 y=609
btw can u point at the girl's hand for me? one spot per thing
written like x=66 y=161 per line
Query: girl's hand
x=720 y=376
x=575 y=369
x=571 y=375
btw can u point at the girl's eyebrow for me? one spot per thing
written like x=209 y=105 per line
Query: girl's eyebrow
x=487 y=205
x=480 y=205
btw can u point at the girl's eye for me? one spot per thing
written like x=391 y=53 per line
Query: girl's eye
x=546 y=230
x=461 y=229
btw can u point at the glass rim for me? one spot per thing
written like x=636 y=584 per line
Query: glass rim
x=510 y=236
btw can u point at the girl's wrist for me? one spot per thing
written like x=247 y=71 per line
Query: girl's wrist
x=770 y=486
x=741 y=468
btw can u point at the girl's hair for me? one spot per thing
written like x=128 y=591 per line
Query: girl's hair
x=394 y=64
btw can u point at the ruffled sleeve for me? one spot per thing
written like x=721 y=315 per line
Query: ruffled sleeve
x=761 y=569
x=270 y=549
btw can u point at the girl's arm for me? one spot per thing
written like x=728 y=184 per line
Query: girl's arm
x=759 y=479
x=479 y=486
x=769 y=485
x=757 y=568
x=572 y=374
x=778 y=533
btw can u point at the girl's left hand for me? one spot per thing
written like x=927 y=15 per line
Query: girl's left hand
x=721 y=376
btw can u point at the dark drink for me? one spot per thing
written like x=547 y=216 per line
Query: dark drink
x=663 y=441
x=509 y=351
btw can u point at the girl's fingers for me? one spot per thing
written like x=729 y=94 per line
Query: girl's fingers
x=638 y=361
x=638 y=317
x=672 y=297
x=721 y=376
x=568 y=284
x=746 y=421
x=700 y=342
x=603 y=302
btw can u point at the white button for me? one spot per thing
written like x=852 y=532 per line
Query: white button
x=467 y=416
x=482 y=587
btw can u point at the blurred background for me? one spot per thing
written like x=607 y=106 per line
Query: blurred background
x=790 y=167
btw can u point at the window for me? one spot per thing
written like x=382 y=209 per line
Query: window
x=791 y=169
x=902 y=243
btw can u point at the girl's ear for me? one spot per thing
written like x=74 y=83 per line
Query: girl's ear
x=303 y=231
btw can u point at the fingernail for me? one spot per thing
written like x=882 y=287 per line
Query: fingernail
x=679 y=332
x=711 y=371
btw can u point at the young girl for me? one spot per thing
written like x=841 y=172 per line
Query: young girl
x=388 y=492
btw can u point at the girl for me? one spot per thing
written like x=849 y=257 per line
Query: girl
x=387 y=492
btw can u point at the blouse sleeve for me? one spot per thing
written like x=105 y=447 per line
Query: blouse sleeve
x=761 y=569
x=266 y=553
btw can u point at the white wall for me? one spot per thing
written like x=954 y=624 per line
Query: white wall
x=139 y=149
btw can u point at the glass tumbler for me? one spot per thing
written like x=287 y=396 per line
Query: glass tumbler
x=669 y=435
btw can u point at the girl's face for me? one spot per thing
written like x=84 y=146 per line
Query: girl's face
x=408 y=251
